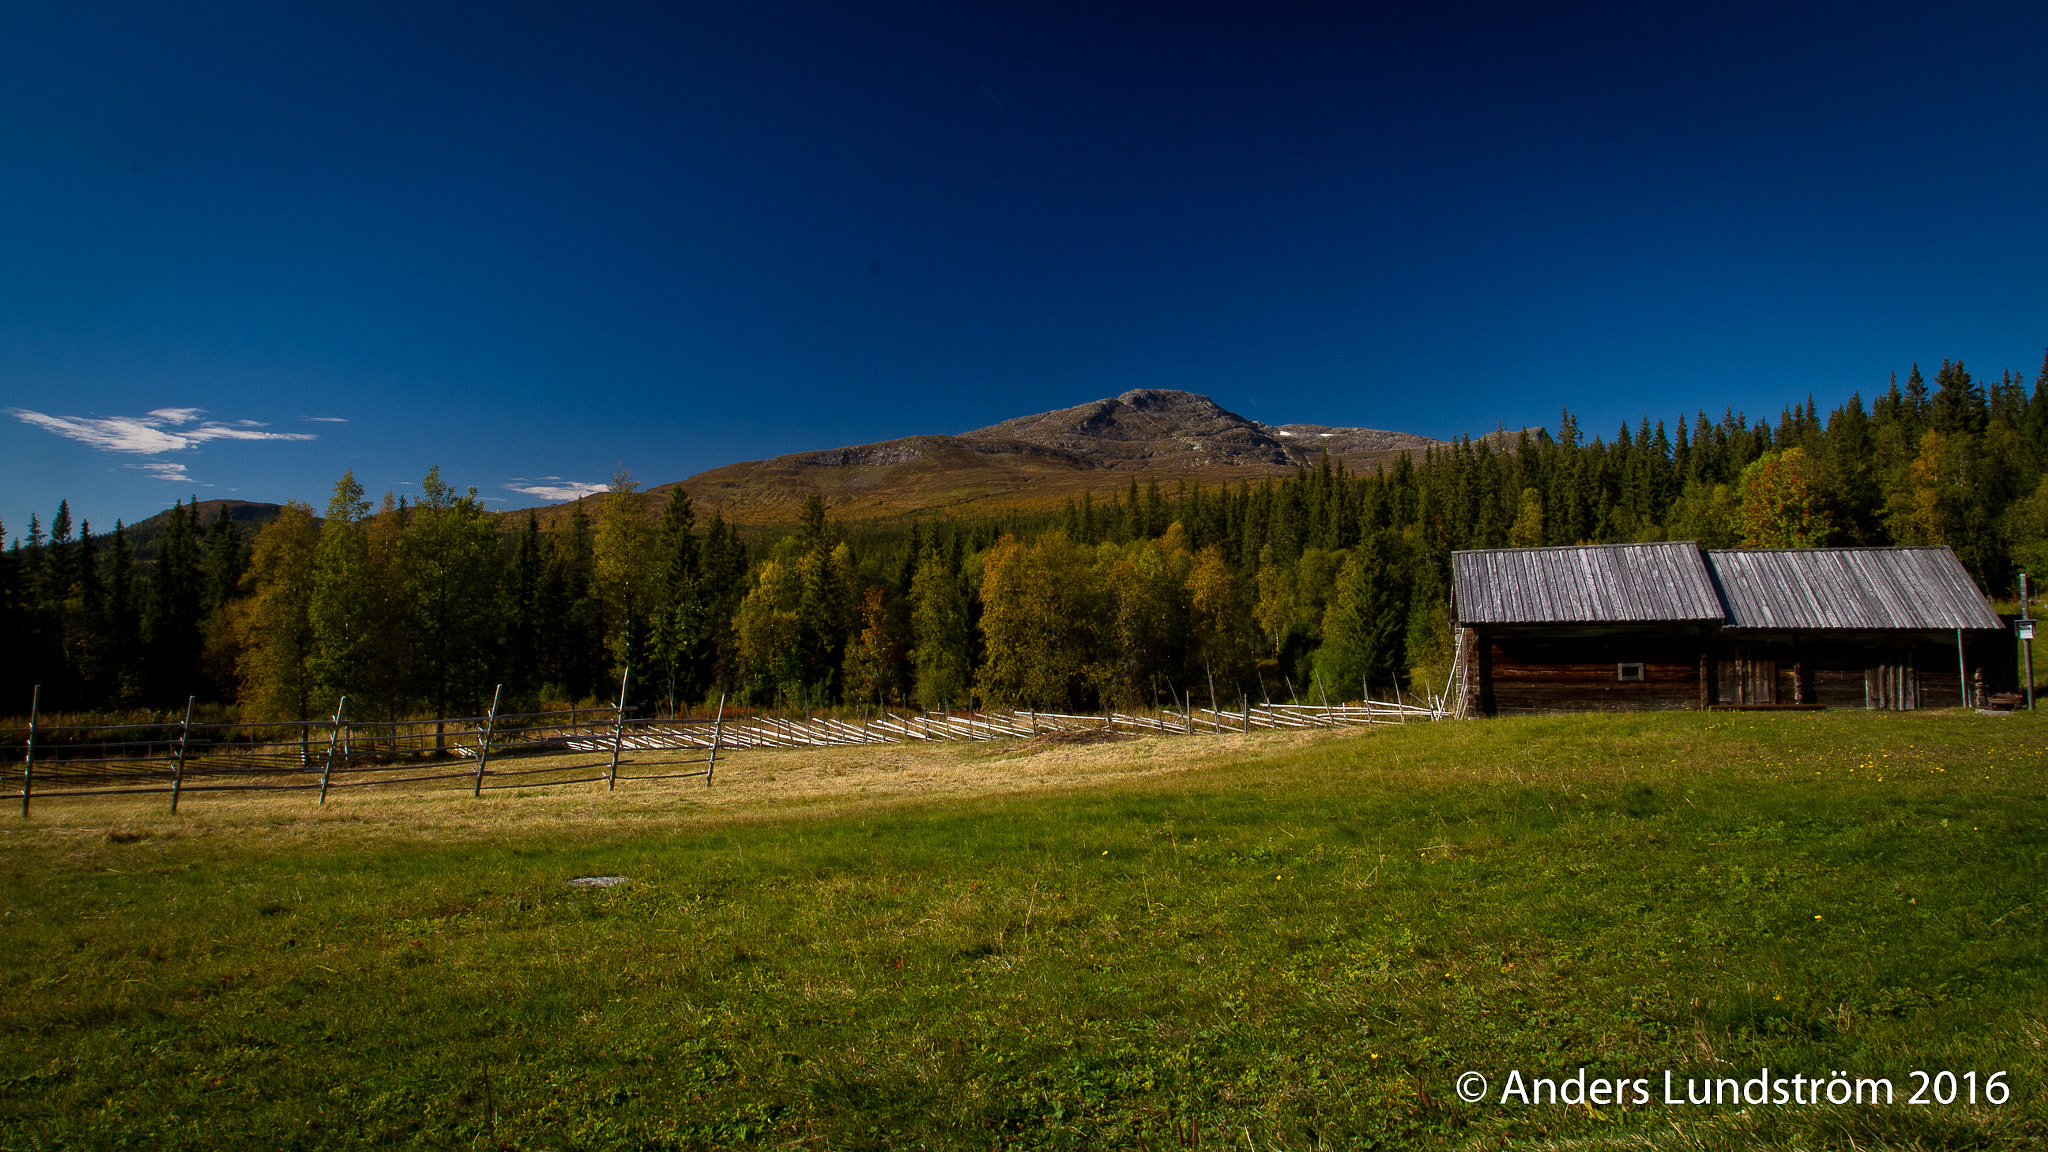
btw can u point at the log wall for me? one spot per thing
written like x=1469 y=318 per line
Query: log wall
x=1530 y=676
x=1536 y=670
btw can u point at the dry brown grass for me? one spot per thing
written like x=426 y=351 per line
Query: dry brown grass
x=750 y=784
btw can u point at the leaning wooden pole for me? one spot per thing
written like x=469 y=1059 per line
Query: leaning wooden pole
x=611 y=776
x=1962 y=671
x=717 y=730
x=333 y=738
x=178 y=768
x=28 y=763
x=483 y=754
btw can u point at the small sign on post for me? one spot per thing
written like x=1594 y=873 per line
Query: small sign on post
x=2026 y=631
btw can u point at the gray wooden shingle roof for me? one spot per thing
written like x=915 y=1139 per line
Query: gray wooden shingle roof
x=1849 y=588
x=1601 y=583
x=1810 y=589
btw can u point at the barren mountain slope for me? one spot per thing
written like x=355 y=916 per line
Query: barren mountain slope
x=1034 y=462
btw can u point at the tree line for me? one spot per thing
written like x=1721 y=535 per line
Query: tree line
x=1322 y=583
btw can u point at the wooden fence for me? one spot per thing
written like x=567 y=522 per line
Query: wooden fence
x=498 y=750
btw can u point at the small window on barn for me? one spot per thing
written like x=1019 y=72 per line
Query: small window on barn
x=1628 y=671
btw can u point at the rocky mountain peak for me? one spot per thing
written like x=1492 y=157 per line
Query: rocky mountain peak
x=1145 y=426
x=1037 y=460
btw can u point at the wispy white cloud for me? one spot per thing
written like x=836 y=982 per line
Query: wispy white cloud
x=167 y=470
x=326 y=419
x=161 y=430
x=554 y=488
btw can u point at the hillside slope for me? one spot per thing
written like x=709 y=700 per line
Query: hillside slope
x=1034 y=462
x=247 y=515
x=1029 y=463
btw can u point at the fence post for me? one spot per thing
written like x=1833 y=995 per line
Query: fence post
x=178 y=769
x=333 y=737
x=717 y=729
x=611 y=777
x=28 y=764
x=483 y=755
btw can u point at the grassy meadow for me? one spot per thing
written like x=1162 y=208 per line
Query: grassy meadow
x=1277 y=941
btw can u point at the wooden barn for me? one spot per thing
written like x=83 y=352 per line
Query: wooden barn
x=1630 y=627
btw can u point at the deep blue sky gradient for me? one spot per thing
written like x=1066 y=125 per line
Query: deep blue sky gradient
x=528 y=240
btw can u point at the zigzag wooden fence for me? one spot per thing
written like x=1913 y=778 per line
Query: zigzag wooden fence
x=496 y=751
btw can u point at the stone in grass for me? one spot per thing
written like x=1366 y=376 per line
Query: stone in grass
x=597 y=881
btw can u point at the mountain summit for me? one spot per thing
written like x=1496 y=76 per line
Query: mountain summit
x=1146 y=427
x=1039 y=460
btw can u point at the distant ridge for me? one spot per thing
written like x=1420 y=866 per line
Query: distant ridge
x=1035 y=462
x=1028 y=463
x=144 y=535
x=1149 y=427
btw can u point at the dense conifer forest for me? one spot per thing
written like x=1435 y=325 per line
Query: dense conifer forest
x=1321 y=583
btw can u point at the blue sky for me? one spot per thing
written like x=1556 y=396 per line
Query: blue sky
x=246 y=246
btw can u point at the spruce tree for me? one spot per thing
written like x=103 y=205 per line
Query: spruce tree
x=121 y=672
x=226 y=560
x=173 y=612
x=1847 y=479
x=1366 y=625
x=1958 y=407
x=1914 y=412
x=678 y=614
x=1890 y=405
x=57 y=570
x=2008 y=401
x=524 y=609
x=572 y=625
x=2034 y=422
x=17 y=675
x=724 y=584
x=222 y=566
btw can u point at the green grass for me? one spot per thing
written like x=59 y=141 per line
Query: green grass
x=1303 y=950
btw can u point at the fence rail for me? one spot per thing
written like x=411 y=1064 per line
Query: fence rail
x=498 y=750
